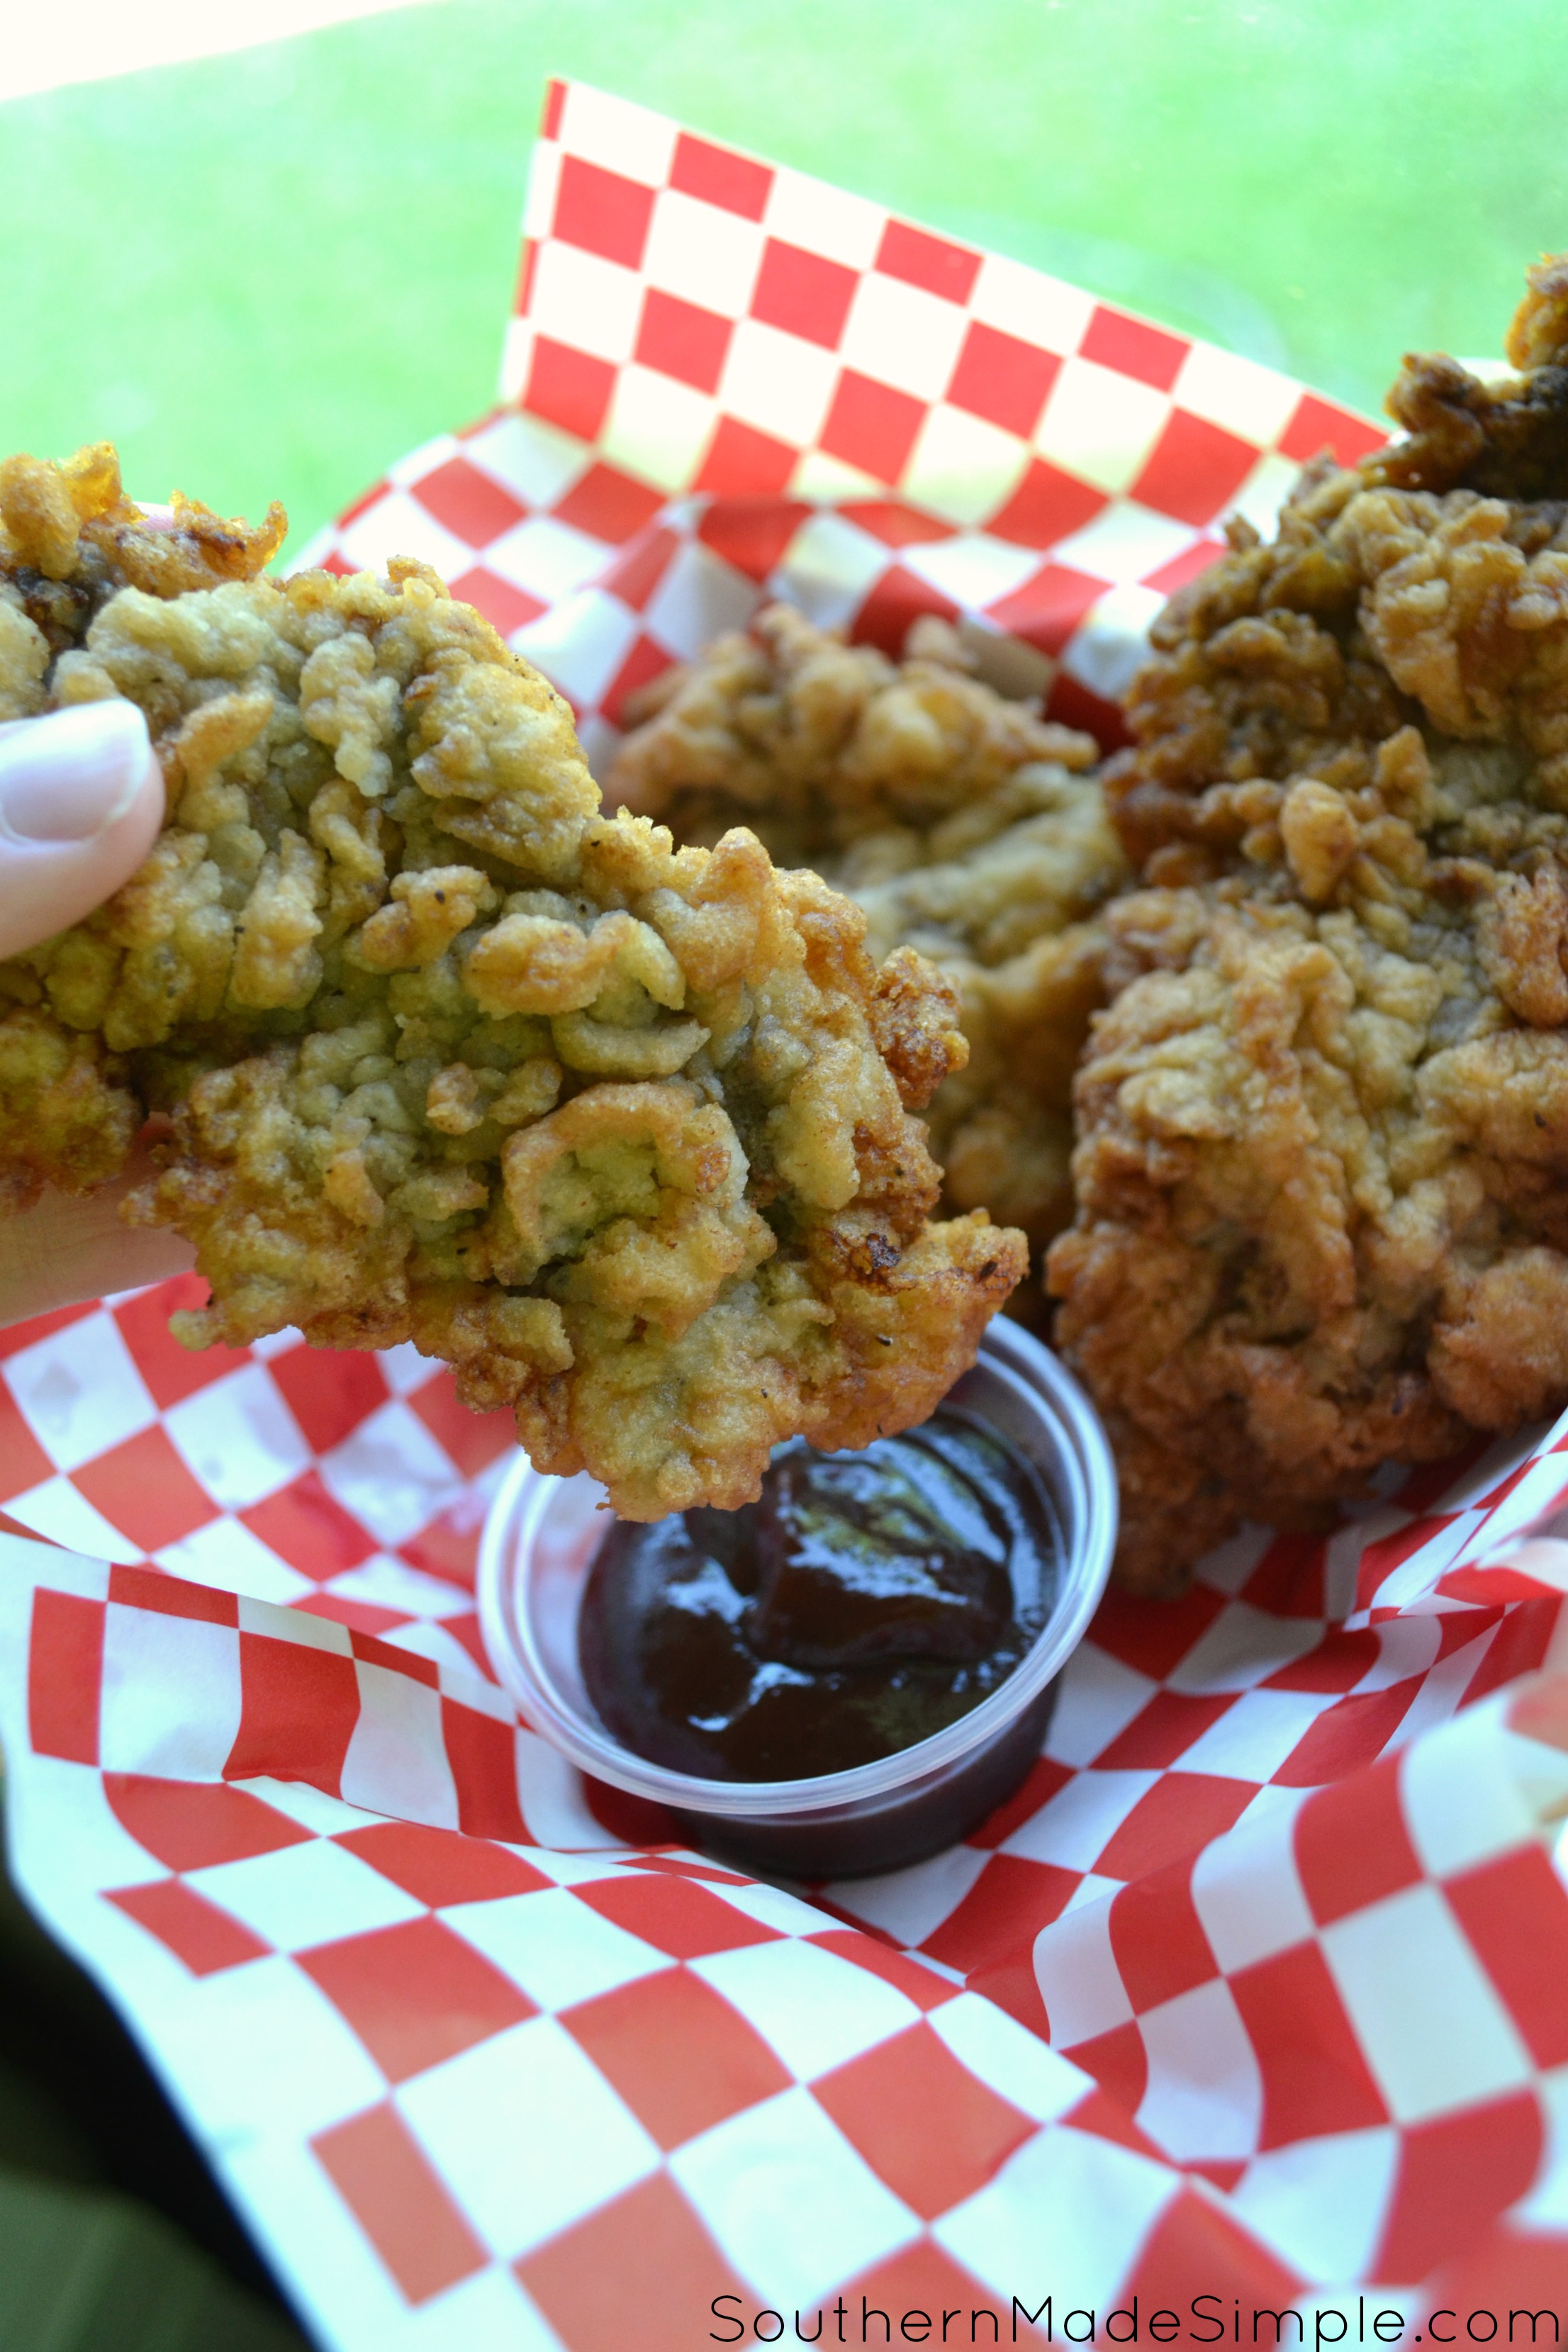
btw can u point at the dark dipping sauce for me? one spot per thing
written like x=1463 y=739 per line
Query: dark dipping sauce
x=867 y=1600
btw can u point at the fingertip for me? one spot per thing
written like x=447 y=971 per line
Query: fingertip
x=126 y=840
x=46 y=886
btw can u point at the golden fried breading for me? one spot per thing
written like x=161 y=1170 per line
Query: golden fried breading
x=1018 y=865
x=1322 y=1173
x=999 y=904
x=1002 y=1126
x=621 y=1131
x=836 y=757
x=961 y=821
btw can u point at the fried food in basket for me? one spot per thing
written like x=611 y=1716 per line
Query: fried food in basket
x=621 y=1130
x=1002 y=1129
x=1322 y=1173
x=891 y=778
x=963 y=823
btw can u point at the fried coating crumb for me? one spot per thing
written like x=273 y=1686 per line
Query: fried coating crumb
x=839 y=759
x=1322 y=1216
x=622 y=1132
x=964 y=824
x=1002 y=1127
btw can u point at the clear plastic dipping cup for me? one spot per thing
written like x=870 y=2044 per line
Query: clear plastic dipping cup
x=539 y=1544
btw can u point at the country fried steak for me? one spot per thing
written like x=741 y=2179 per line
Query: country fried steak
x=1323 y=1158
x=621 y=1130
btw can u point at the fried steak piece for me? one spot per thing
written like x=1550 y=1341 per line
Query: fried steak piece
x=839 y=757
x=1322 y=1167
x=621 y=1130
x=964 y=824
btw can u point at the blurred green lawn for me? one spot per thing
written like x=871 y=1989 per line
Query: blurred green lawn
x=268 y=274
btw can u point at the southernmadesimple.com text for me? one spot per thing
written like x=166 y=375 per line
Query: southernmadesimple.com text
x=1208 y=2319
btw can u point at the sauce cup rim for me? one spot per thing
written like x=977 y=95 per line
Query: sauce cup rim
x=1037 y=1382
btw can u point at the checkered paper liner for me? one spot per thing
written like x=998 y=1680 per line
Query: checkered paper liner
x=726 y=381
x=1256 y=1989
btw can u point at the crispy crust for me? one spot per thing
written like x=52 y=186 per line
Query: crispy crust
x=964 y=823
x=620 y=1131
x=1322 y=1223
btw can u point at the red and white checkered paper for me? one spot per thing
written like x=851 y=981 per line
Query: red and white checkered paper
x=725 y=381
x=1258 y=1988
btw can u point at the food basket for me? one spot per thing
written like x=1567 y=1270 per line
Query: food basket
x=1250 y=2001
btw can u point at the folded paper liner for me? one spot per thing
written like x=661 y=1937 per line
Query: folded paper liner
x=1256 y=1990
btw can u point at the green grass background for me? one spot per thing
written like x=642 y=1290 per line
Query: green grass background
x=270 y=274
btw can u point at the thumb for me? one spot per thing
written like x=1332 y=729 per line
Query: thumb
x=82 y=800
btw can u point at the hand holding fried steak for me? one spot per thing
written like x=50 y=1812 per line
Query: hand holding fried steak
x=620 y=1131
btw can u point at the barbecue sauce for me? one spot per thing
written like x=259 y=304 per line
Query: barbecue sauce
x=866 y=1601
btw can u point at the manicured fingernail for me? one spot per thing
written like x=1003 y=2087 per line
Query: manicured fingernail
x=70 y=776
